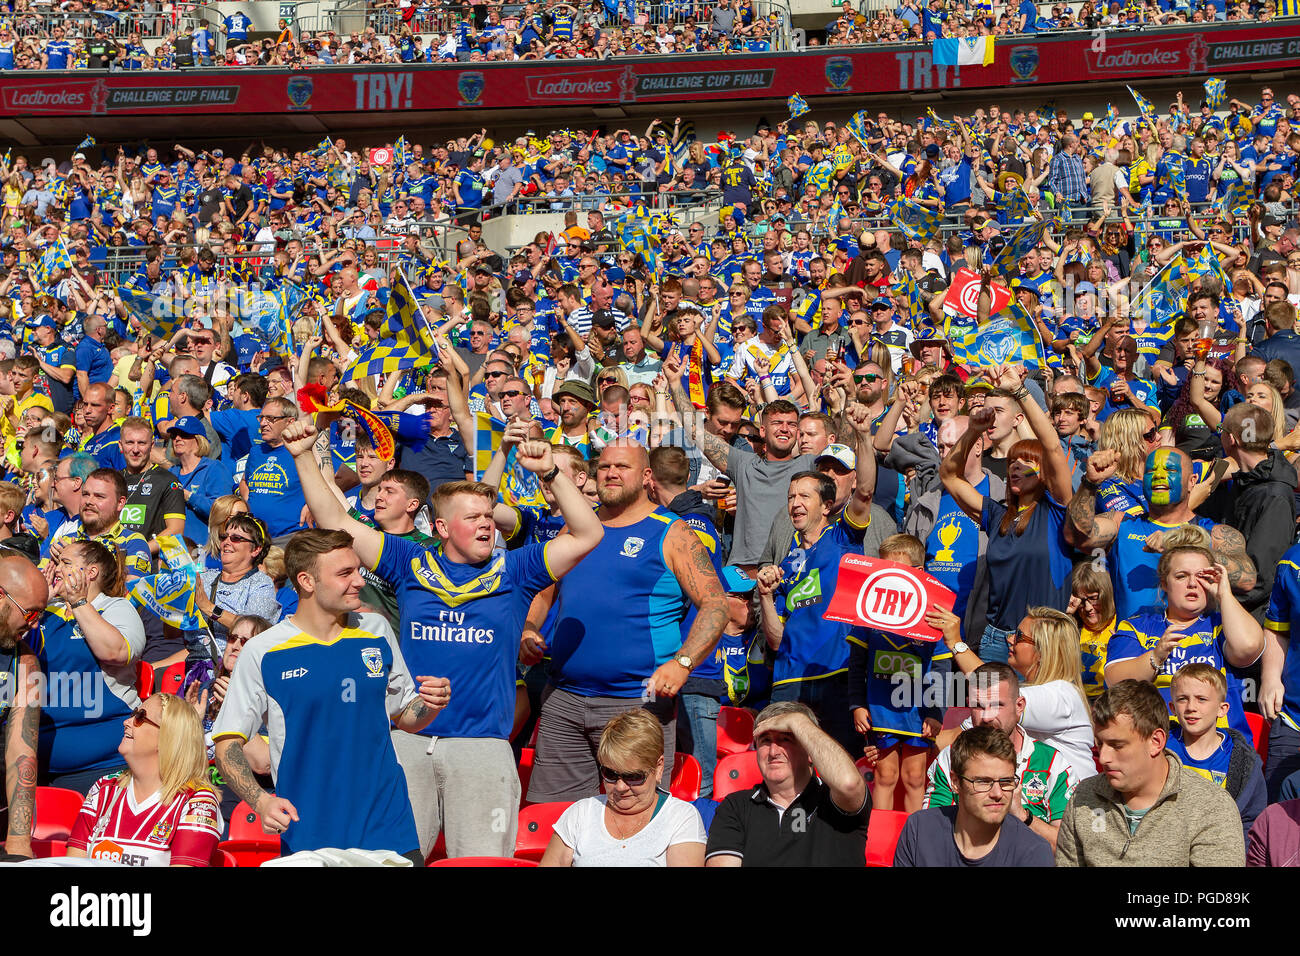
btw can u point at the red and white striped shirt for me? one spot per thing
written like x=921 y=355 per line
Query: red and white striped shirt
x=113 y=827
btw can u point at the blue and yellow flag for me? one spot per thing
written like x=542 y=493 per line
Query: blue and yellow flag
x=857 y=126
x=87 y=143
x=1008 y=337
x=1216 y=92
x=820 y=176
x=54 y=257
x=1013 y=205
x=907 y=298
x=404 y=318
x=401 y=153
x=842 y=157
x=1144 y=107
x=323 y=147
x=798 y=106
x=1164 y=299
x=160 y=313
x=1023 y=240
x=488 y=432
x=388 y=356
x=914 y=220
x=170 y=593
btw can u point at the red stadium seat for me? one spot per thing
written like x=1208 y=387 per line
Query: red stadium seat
x=736 y=772
x=252 y=852
x=56 y=812
x=484 y=861
x=246 y=825
x=169 y=681
x=44 y=849
x=1259 y=730
x=687 y=777
x=882 y=836
x=735 y=730
x=536 y=823
x=222 y=858
x=526 y=757
x=144 y=679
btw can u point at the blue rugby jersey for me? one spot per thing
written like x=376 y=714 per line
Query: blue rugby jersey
x=327 y=705
x=463 y=622
x=619 y=613
x=1283 y=612
x=85 y=701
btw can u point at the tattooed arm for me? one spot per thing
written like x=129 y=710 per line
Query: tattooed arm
x=1229 y=547
x=20 y=754
x=434 y=693
x=276 y=812
x=688 y=559
x=1085 y=529
x=715 y=449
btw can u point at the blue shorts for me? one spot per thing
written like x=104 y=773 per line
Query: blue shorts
x=887 y=741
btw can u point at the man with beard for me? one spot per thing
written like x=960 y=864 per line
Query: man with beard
x=25 y=595
x=103 y=496
x=617 y=641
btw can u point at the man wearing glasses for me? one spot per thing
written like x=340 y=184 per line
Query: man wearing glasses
x=271 y=486
x=203 y=345
x=980 y=829
x=1045 y=778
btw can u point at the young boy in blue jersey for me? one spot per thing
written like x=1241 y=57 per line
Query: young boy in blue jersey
x=890 y=712
x=1199 y=697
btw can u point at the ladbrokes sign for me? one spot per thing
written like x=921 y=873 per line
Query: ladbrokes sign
x=98 y=97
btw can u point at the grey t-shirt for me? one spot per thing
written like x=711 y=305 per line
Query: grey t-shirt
x=762 y=488
x=252 y=594
x=927 y=840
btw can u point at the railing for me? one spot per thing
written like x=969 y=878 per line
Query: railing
x=150 y=22
x=701 y=200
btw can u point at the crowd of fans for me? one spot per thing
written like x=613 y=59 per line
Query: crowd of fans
x=590 y=491
x=128 y=37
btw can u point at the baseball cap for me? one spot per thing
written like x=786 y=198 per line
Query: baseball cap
x=188 y=425
x=840 y=453
x=1269 y=220
x=522 y=276
x=78 y=155
x=615 y=275
x=984 y=223
x=602 y=319
x=44 y=321
x=737 y=581
x=881 y=303
x=246 y=346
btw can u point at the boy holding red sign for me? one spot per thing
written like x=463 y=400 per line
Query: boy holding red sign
x=888 y=677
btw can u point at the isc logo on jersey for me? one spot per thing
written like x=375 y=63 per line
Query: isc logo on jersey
x=296 y=672
x=373 y=658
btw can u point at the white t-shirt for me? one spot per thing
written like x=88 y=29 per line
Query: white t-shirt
x=1057 y=715
x=582 y=828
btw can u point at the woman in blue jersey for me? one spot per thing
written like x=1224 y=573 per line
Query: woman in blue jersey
x=1202 y=622
x=90 y=638
x=1027 y=557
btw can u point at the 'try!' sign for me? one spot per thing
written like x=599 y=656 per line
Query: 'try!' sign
x=888 y=596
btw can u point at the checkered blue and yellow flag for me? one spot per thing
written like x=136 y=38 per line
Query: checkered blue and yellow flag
x=159 y=313
x=1008 y=337
x=87 y=143
x=820 y=176
x=1216 y=92
x=388 y=356
x=1013 y=205
x=401 y=153
x=1020 y=242
x=488 y=432
x=798 y=106
x=404 y=318
x=857 y=126
x=54 y=257
x=842 y=157
x=914 y=220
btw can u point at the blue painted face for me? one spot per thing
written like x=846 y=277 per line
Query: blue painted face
x=1163 y=479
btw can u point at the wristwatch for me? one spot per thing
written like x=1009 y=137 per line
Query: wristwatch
x=960 y=647
x=685 y=661
x=550 y=475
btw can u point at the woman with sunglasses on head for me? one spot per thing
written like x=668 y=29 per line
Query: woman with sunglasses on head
x=240 y=587
x=160 y=810
x=90 y=638
x=222 y=508
x=633 y=823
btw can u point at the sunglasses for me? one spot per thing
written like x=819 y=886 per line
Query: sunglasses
x=496 y=374
x=237 y=538
x=29 y=617
x=510 y=393
x=1020 y=637
x=869 y=378
x=141 y=716
x=1151 y=436
x=272 y=418
x=634 y=779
